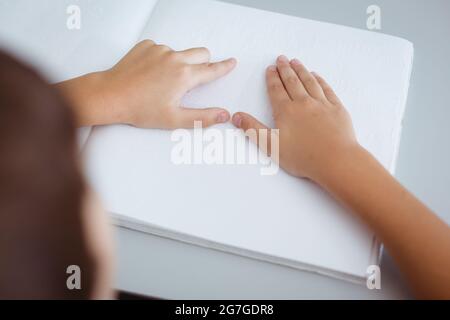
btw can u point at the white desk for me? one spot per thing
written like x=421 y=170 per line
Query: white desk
x=169 y=269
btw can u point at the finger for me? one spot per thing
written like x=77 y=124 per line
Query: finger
x=254 y=130
x=309 y=82
x=195 y=55
x=186 y=118
x=327 y=90
x=208 y=72
x=291 y=82
x=277 y=92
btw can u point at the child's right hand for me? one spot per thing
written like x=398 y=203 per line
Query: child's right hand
x=315 y=130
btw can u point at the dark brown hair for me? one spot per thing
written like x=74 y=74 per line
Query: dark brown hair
x=41 y=190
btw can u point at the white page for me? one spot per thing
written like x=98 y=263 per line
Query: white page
x=37 y=32
x=279 y=218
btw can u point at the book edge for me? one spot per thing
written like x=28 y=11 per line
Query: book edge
x=144 y=227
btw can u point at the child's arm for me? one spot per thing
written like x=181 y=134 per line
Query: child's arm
x=317 y=141
x=146 y=87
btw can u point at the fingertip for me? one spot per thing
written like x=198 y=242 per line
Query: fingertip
x=237 y=120
x=271 y=69
x=223 y=117
x=316 y=75
x=295 y=62
x=272 y=74
x=209 y=72
x=226 y=65
x=230 y=63
x=283 y=59
x=233 y=61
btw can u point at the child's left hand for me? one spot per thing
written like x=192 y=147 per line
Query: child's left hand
x=146 y=87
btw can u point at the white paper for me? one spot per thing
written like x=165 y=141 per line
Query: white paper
x=233 y=208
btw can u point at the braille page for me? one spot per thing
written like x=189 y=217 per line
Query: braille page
x=233 y=208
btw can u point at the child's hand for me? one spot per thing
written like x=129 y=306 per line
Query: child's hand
x=146 y=87
x=315 y=129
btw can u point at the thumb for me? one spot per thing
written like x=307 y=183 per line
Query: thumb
x=187 y=117
x=257 y=132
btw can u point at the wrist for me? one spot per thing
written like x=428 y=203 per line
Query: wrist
x=90 y=99
x=108 y=103
x=350 y=158
x=95 y=101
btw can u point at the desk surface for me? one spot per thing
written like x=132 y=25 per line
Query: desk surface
x=170 y=269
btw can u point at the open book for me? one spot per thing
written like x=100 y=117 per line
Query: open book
x=277 y=218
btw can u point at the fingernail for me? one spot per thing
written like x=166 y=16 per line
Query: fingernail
x=283 y=58
x=237 y=120
x=272 y=68
x=295 y=62
x=223 y=117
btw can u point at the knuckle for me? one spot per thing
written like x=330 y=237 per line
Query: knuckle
x=274 y=87
x=304 y=99
x=183 y=74
x=163 y=48
x=146 y=43
x=292 y=80
x=172 y=55
x=309 y=81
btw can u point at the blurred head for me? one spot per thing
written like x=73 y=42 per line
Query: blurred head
x=49 y=220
